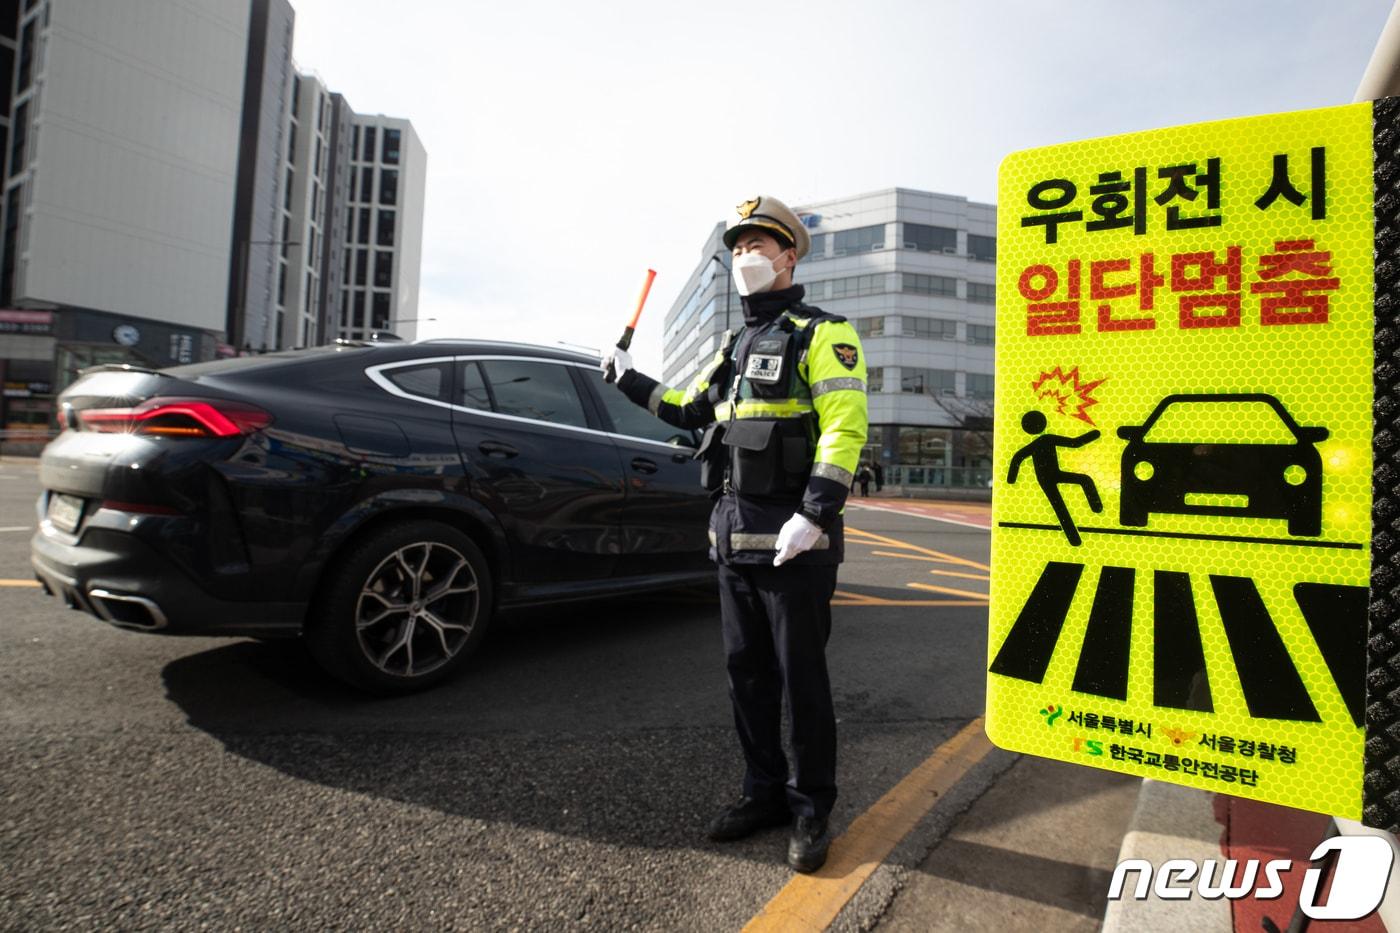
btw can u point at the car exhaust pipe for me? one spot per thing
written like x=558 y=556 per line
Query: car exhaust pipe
x=126 y=611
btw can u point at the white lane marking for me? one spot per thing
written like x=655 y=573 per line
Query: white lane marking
x=918 y=514
x=18 y=528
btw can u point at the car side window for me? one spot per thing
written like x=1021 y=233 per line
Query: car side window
x=473 y=392
x=426 y=381
x=539 y=391
x=635 y=421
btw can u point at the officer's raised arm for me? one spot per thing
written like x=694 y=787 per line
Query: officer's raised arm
x=691 y=408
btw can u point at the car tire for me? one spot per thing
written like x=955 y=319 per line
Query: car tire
x=403 y=609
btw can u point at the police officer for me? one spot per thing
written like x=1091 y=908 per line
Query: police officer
x=784 y=410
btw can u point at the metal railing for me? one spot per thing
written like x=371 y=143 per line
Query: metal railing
x=938 y=476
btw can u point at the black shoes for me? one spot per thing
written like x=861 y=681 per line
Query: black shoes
x=809 y=843
x=747 y=817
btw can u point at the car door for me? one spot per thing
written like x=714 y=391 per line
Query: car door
x=665 y=519
x=537 y=461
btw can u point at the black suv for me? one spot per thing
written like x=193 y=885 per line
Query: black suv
x=385 y=501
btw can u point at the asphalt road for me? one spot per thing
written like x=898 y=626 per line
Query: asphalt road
x=562 y=782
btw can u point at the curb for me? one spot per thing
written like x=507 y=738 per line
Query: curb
x=1169 y=822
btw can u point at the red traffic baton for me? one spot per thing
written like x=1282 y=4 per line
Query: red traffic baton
x=626 y=340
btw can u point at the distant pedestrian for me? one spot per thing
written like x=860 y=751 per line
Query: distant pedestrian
x=863 y=477
x=879 y=477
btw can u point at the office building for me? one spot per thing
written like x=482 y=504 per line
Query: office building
x=384 y=229
x=914 y=272
x=173 y=189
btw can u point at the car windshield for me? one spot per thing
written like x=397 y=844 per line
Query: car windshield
x=1223 y=422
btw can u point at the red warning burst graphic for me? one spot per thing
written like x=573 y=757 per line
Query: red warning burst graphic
x=1071 y=395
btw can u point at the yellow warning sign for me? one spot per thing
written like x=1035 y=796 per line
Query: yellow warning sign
x=1181 y=516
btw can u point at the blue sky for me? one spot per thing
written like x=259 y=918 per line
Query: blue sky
x=573 y=145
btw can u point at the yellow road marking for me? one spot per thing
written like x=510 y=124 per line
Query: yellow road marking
x=933 y=560
x=19 y=582
x=948 y=589
x=860 y=599
x=811 y=902
x=896 y=543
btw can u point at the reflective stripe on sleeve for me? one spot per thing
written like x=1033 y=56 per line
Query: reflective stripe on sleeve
x=833 y=472
x=837 y=385
x=657 y=394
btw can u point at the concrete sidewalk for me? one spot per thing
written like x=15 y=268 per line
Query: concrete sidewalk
x=1172 y=822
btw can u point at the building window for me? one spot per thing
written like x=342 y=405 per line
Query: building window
x=363 y=232
x=930 y=328
x=813 y=291
x=287 y=199
x=321 y=113
x=296 y=96
x=982 y=247
x=818 y=250
x=366 y=183
x=929 y=284
x=292 y=141
x=281 y=283
x=367 y=153
x=308 y=295
x=930 y=239
x=7 y=67
x=875 y=379
x=359 y=310
x=319 y=165
x=286 y=234
x=349 y=258
x=870 y=326
x=13 y=206
x=354 y=140
x=26 y=58
x=857 y=286
x=389 y=186
x=981 y=292
x=20 y=131
x=980 y=385
x=391 y=147
x=361 y=266
x=928 y=381
x=383 y=268
x=982 y=335
x=316 y=199
x=386 y=228
x=379 y=311
x=860 y=240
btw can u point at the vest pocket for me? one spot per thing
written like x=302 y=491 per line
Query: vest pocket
x=768 y=457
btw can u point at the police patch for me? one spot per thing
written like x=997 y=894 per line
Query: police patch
x=846 y=354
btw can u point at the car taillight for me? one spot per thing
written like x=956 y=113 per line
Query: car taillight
x=177 y=417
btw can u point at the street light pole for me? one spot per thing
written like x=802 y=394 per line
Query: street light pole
x=728 y=285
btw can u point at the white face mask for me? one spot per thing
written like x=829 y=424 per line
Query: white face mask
x=753 y=273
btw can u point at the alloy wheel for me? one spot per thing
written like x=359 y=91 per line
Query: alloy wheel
x=417 y=609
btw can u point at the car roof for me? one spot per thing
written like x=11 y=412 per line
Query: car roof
x=506 y=347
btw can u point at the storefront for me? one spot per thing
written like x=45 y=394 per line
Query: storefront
x=43 y=352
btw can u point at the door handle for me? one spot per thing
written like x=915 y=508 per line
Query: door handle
x=683 y=457
x=643 y=465
x=497 y=449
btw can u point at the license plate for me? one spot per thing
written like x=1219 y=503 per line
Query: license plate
x=65 y=511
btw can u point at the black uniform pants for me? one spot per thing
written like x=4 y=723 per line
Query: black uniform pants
x=776 y=622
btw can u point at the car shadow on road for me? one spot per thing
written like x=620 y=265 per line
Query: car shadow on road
x=607 y=721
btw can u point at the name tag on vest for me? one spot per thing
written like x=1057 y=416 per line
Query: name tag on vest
x=765 y=361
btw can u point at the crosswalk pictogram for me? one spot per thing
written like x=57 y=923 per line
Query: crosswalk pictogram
x=1269 y=680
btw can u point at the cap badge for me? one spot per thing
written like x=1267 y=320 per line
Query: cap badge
x=747 y=208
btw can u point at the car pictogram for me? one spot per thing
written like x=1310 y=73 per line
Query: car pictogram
x=1227 y=454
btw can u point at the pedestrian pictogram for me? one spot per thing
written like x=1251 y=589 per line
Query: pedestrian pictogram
x=1185 y=326
x=1043 y=452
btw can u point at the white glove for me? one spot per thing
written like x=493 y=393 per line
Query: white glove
x=619 y=359
x=798 y=534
